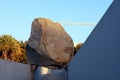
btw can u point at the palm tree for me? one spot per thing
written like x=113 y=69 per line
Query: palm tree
x=23 y=56
x=8 y=46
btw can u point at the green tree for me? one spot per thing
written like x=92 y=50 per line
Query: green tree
x=23 y=51
x=9 y=46
x=77 y=47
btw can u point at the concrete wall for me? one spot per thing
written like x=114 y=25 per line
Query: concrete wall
x=58 y=74
x=17 y=71
x=42 y=73
x=14 y=71
x=99 y=57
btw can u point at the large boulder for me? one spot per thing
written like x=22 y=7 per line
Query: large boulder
x=49 y=44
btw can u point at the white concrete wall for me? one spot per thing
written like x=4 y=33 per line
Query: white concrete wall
x=14 y=71
x=99 y=57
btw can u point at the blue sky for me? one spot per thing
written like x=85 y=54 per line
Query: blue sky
x=16 y=16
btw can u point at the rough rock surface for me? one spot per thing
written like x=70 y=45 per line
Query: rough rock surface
x=50 y=42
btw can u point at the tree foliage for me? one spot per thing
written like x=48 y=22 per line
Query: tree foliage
x=77 y=47
x=11 y=49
